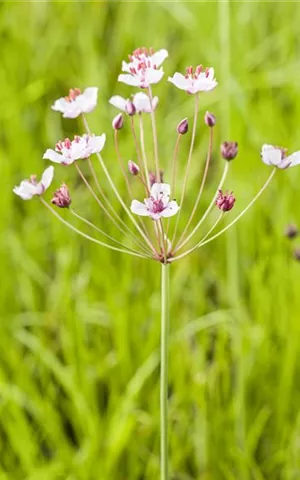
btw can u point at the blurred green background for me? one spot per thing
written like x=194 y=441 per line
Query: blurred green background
x=79 y=389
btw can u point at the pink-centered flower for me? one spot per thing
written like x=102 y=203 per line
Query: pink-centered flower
x=140 y=100
x=143 y=68
x=29 y=188
x=277 y=157
x=76 y=102
x=199 y=80
x=158 y=204
x=68 y=151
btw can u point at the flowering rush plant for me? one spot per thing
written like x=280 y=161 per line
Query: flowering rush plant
x=152 y=231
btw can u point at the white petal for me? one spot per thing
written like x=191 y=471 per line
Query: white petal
x=180 y=81
x=211 y=73
x=271 y=155
x=160 y=189
x=139 y=208
x=72 y=111
x=96 y=144
x=125 y=67
x=155 y=216
x=154 y=102
x=141 y=102
x=60 y=105
x=158 y=57
x=204 y=84
x=26 y=190
x=129 y=80
x=118 y=102
x=47 y=177
x=53 y=156
x=88 y=100
x=293 y=159
x=170 y=210
x=69 y=109
x=153 y=76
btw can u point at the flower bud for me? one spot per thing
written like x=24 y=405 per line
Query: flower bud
x=153 y=179
x=296 y=254
x=210 y=119
x=133 y=168
x=229 y=150
x=183 y=126
x=225 y=201
x=291 y=231
x=62 y=197
x=118 y=122
x=130 y=108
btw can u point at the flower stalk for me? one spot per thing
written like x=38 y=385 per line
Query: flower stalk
x=165 y=285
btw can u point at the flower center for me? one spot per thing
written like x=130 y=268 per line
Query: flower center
x=190 y=73
x=73 y=93
x=157 y=205
x=66 y=144
x=33 y=180
x=141 y=60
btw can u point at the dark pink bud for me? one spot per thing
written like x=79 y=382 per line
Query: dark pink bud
x=210 y=119
x=291 y=231
x=62 y=197
x=153 y=179
x=225 y=201
x=133 y=168
x=229 y=150
x=183 y=126
x=130 y=108
x=118 y=122
x=296 y=254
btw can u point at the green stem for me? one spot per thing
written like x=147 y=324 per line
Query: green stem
x=164 y=372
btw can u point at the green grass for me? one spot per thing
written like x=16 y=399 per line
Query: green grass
x=79 y=365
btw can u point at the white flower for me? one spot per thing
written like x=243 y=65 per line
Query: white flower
x=28 y=188
x=158 y=204
x=193 y=82
x=277 y=156
x=142 y=70
x=68 y=151
x=140 y=101
x=76 y=102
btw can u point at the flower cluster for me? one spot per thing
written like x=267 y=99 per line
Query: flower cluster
x=156 y=238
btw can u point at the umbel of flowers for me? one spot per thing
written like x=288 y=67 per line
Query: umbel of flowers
x=156 y=240
x=152 y=230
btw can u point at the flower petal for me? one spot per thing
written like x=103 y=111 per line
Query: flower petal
x=118 y=102
x=180 y=81
x=26 y=190
x=204 y=84
x=53 y=156
x=88 y=100
x=47 y=177
x=129 y=80
x=293 y=159
x=170 y=210
x=141 y=102
x=125 y=67
x=159 y=57
x=271 y=155
x=153 y=76
x=60 y=105
x=96 y=144
x=160 y=189
x=139 y=208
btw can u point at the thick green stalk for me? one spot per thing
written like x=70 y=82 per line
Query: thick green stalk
x=164 y=371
